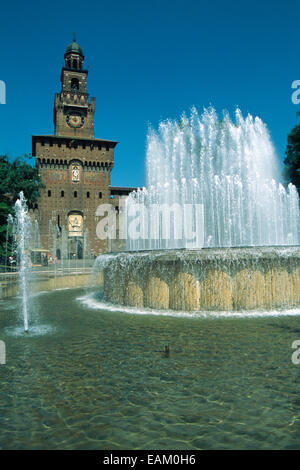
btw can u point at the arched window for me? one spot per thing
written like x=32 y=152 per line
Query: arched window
x=75 y=84
x=75 y=193
x=88 y=194
x=75 y=224
x=62 y=194
x=100 y=195
x=49 y=193
x=74 y=64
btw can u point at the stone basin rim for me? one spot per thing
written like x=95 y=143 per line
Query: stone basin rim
x=202 y=253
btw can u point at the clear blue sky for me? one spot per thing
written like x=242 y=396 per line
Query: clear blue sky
x=149 y=60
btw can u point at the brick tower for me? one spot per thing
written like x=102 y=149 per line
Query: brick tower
x=74 y=166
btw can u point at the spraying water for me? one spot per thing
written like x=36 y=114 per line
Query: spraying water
x=86 y=248
x=9 y=229
x=64 y=248
x=23 y=235
x=36 y=237
x=231 y=169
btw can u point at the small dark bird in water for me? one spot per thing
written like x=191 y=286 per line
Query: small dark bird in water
x=167 y=350
x=26 y=331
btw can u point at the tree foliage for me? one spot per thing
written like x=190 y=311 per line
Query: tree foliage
x=16 y=176
x=292 y=160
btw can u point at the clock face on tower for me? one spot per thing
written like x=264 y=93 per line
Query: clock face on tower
x=75 y=119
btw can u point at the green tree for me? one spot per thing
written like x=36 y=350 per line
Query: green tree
x=22 y=176
x=292 y=160
x=16 y=176
x=5 y=210
x=5 y=202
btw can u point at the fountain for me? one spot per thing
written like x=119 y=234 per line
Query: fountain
x=36 y=236
x=229 y=168
x=9 y=230
x=248 y=222
x=86 y=247
x=63 y=248
x=23 y=235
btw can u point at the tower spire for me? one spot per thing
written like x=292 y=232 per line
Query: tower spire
x=73 y=110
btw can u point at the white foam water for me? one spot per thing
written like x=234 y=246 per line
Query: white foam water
x=91 y=301
x=35 y=330
x=23 y=236
x=230 y=168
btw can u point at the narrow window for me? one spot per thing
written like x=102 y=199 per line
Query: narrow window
x=62 y=194
x=100 y=195
x=88 y=194
x=75 y=84
x=49 y=193
x=75 y=193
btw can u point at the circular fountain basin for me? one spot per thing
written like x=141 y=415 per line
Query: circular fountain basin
x=222 y=279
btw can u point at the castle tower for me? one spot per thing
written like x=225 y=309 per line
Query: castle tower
x=74 y=166
x=73 y=112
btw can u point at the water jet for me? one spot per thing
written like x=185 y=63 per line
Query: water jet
x=23 y=233
x=251 y=254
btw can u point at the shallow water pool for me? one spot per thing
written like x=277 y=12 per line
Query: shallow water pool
x=91 y=377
